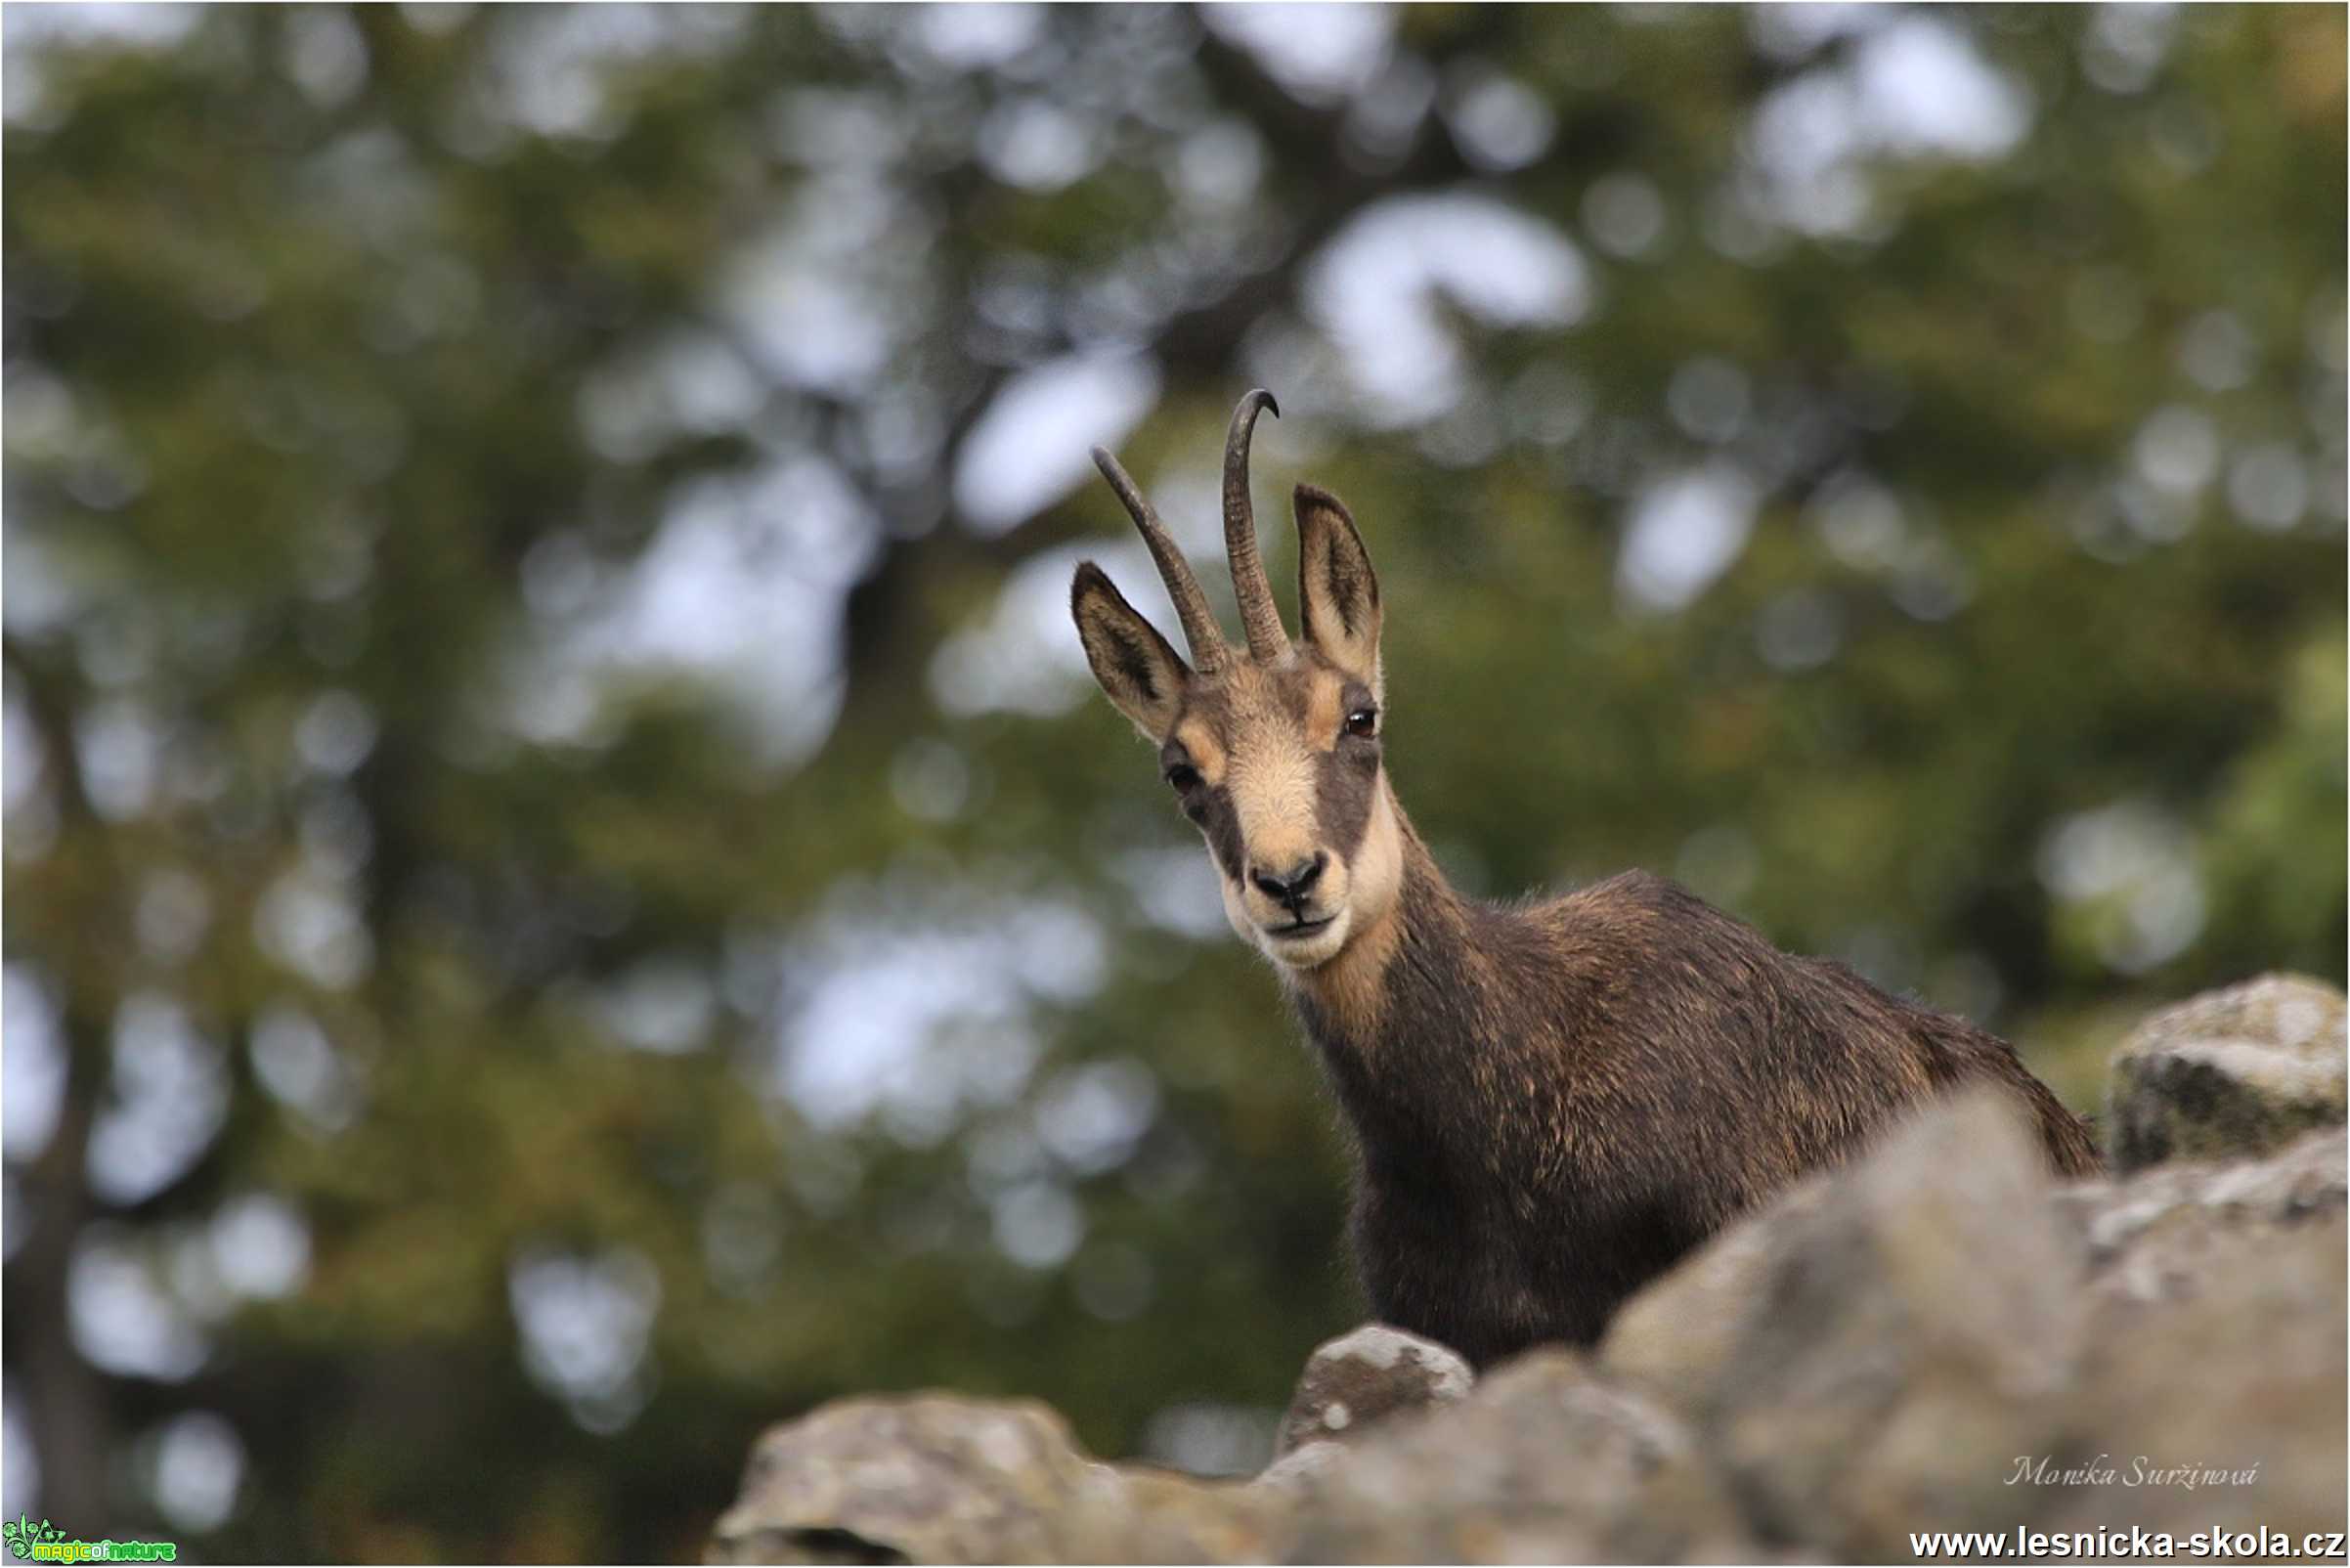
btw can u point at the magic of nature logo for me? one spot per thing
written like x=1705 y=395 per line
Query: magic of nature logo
x=38 y=1541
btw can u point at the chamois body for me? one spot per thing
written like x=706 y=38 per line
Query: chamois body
x=1550 y=1103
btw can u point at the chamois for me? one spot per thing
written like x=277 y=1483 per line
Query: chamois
x=1551 y=1102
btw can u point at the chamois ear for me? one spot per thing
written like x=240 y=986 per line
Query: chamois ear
x=1337 y=593
x=1140 y=672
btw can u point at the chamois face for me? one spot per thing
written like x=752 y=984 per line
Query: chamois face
x=1274 y=753
x=1278 y=768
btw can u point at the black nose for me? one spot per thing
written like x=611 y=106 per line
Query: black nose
x=1290 y=887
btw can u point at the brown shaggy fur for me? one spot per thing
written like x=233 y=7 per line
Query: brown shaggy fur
x=1554 y=1103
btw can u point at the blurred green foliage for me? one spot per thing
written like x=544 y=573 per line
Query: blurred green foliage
x=357 y=362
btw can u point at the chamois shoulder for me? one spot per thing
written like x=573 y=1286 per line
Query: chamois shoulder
x=1627 y=894
x=1638 y=912
x=1650 y=926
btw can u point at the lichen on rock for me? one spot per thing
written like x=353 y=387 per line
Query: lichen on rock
x=2228 y=1073
x=1358 y=1379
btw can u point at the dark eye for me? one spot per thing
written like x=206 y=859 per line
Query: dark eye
x=1363 y=722
x=1183 y=778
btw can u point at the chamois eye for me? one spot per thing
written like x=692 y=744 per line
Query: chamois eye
x=1363 y=722
x=1183 y=776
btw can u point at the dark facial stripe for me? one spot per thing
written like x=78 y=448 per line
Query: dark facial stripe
x=1212 y=810
x=1346 y=781
x=1347 y=778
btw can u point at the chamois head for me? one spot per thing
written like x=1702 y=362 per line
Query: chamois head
x=1273 y=751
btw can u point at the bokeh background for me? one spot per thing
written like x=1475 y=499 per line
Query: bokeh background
x=568 y=892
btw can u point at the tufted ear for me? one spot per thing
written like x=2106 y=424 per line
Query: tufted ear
x=1337 y=593
x=1140 y=672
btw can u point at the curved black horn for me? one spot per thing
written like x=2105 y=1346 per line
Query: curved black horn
x=1259 y=619
x=1210 y=651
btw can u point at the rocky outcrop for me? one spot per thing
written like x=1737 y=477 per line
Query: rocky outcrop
x=1934 y=1338
x=1885 y=1328
x=1549 y=1462
x=931 y=1478
x=1937 y=1337
x=2231 y=1073
x=1359 y=1379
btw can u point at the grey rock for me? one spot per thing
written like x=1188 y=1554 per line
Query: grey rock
x=1935 y=1337
x=931 y=1478
x=2242 y=1375
x=2177 y=1230
x=1889 y=1344
x=1547 y=1461
x=1137 y=1515
x=2230 y=1073
x=1677 y=1339
x=1358 y=1379
x=2215 y=1346
x=1905 y=1324
x=1301 y=1463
